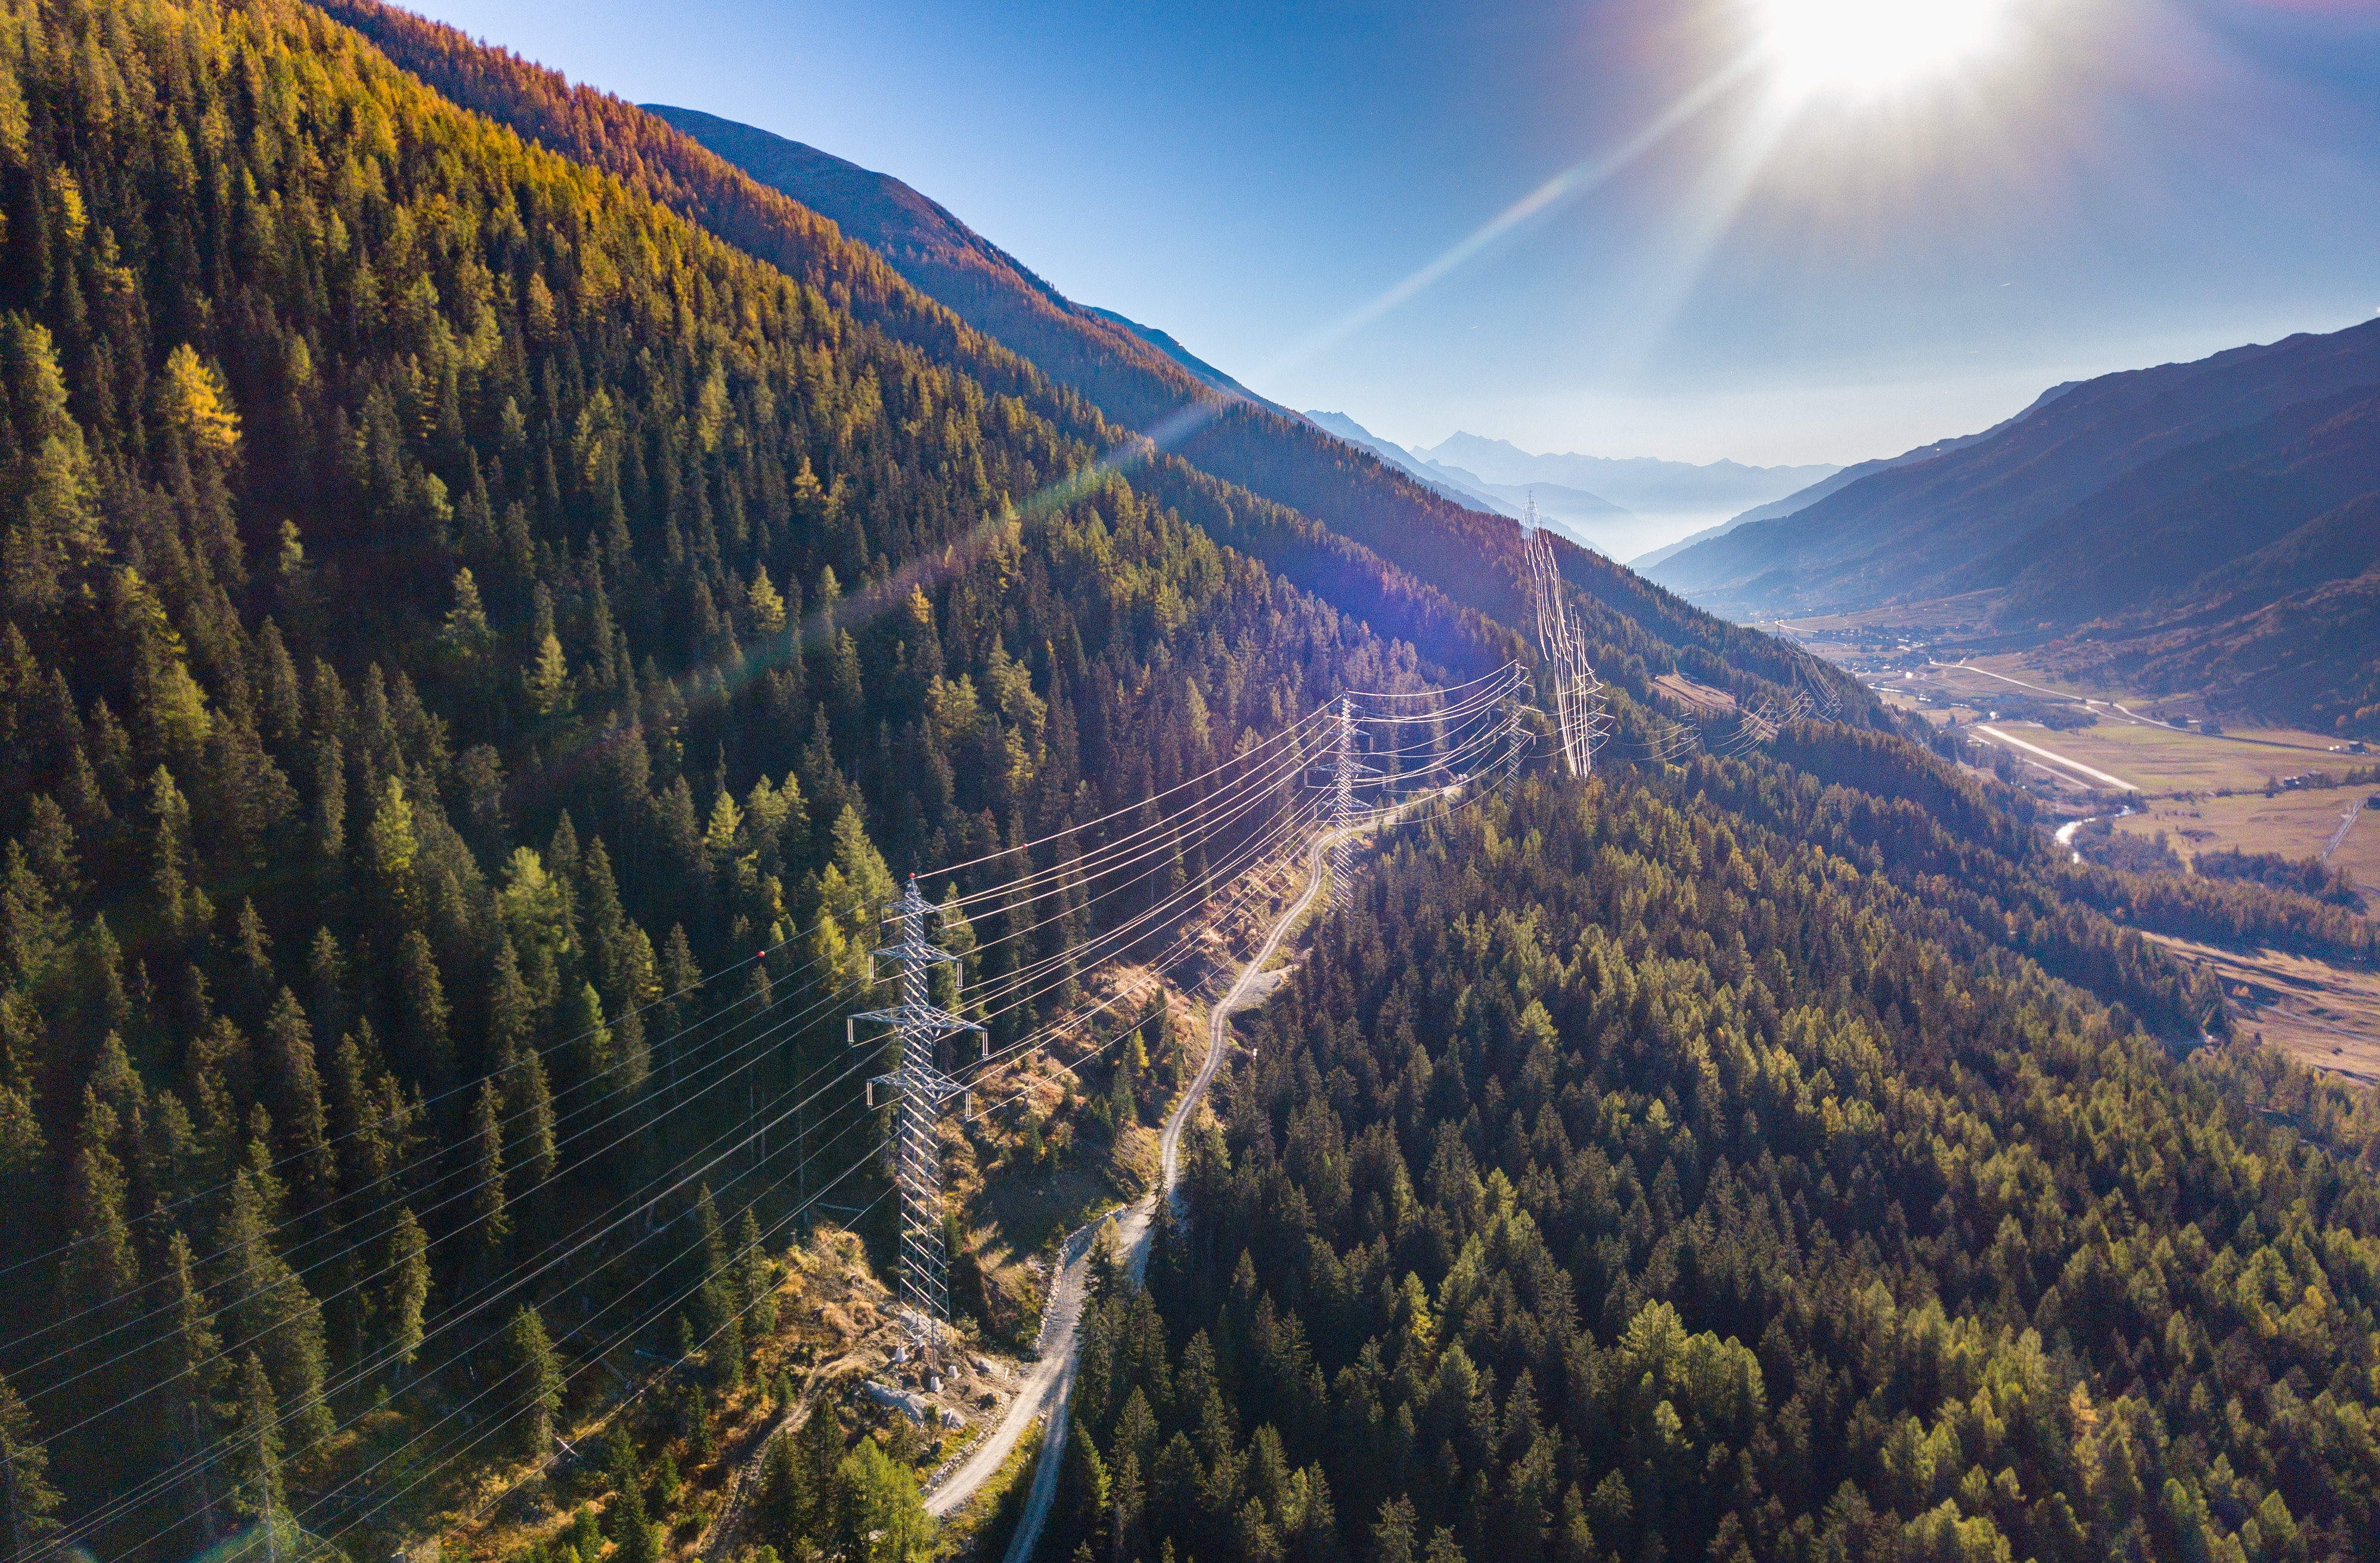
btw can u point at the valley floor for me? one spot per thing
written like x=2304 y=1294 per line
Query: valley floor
x=2326 y=1016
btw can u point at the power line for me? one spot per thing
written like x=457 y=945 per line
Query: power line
x=918 y=1024
x=1579 y=713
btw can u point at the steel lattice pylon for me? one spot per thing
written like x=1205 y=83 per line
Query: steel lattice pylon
x=1579 y=717
x=1345 y=769
x=922 y=1088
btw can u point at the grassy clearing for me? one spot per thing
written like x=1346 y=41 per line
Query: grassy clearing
x=2293 y=824
x=2163 y=760
x=2326 y=1016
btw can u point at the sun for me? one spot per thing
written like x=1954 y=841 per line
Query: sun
x=1867 y=48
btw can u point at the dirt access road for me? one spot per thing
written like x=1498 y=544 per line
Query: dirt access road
x=1044 y=1393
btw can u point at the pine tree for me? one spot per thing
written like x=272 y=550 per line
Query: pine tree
x=422 y=1003
x=328 y=1002
x=546 y=678
x=252 y=962
x=25 y=1491
x=490 y=1221
x=1393 y=1532
x=632 y=1533
x=528 y=1113
x=47 y=486
x=885 y=1522
x=407 y=1295
x=255 y=1443
x=466 y=637
x=193 y=1369
x=101 y=1265
x=817 y=1455
x=586 y=1535
x=181 y=904
x=534 y=1381
x=297 y=1099
x=581 y=1020
x=512 y=1012
x=270 y=1306
x=718 y=1319
x=756 y=1294
x=782 y=1503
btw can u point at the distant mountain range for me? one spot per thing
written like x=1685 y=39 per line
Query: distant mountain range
x=2204 y=526
x=1503 y=478
x=1801 y=499
x=1426 y=473
x=1644 y=485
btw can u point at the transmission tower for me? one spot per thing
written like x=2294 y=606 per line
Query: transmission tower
x=1579 y=715
x=1345 y=769
x=922 y=1089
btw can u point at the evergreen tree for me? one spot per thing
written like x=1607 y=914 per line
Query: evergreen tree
x=634 y=1535
x=490 y=1218
x=255 y=1444
x=756 y=1294
x=194 y=1371
x=884 y=1520
x=296 y=1100
x=585 y=1538
x=100 y=1267
x=270 y=1308
x=24 y=1485
x=512 y=1012
x=421 y=1002
x=408 y=1298
x=53 y=535
x=534 y=1383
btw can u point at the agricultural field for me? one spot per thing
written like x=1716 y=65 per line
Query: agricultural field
x=2293 y=824
x=2157 y=760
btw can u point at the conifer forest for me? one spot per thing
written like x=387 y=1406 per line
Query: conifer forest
x=497 y=602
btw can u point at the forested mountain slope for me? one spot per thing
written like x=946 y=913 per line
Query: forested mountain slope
x=452 y=603
x=1200 y=368
x=468 y=621
x=651 y=158
x=2168 y=522
x=1473 y=561
x=1280 y=457
x=1629 y=1175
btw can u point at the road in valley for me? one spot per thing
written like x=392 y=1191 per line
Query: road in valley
x=2055 y=757
x=1043 y=1395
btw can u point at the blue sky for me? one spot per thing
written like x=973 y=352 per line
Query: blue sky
x=1791 y=272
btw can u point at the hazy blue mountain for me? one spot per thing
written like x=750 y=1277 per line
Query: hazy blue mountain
x=1801 y=499
x=1558 y=502
x=1427 y=473
x=1645 y=485
x=1587 y=519
x=2208 y=458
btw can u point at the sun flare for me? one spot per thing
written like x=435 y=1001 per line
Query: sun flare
x=1855 y=48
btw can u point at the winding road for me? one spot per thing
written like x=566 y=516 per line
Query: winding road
x=1044 y=1393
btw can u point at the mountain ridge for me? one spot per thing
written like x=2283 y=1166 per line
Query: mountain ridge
x=1909 y=530
x=2191 y=527
x=1137 y=385
x=1634 y=483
